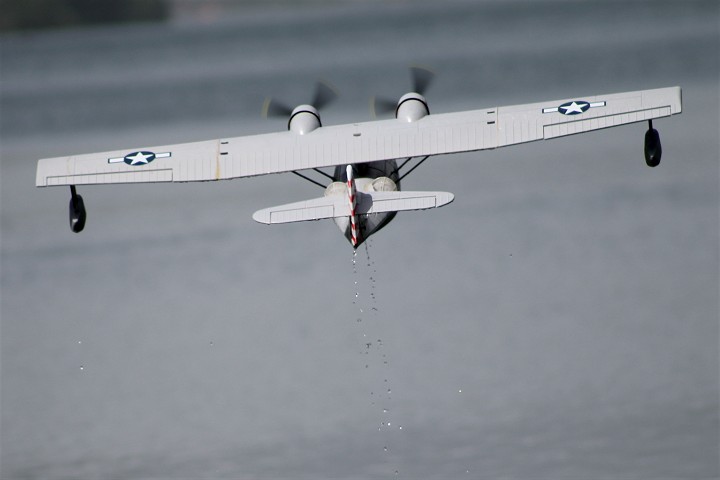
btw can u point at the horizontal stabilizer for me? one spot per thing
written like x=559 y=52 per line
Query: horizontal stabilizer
x=338 y=206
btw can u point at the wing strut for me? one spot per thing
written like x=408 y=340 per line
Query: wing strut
x=309 y=179
x=324 y=174
x=413 y=168
x=314 y=181
x=397 y=170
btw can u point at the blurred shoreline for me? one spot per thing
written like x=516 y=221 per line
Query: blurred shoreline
x=31 y=15
x=39 y=15
x=34 y=15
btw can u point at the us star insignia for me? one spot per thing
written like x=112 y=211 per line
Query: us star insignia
x=140 y=158
x=575 y=107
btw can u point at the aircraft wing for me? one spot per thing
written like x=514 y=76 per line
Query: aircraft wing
x=360 y=142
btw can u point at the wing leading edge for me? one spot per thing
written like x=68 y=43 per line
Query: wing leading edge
x=360 y=142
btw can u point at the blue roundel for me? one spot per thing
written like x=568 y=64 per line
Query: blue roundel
x=575 y=107
x=139 y=158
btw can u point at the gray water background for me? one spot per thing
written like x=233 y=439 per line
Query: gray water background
x=558 y=320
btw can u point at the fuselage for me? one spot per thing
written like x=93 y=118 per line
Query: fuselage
x=373 y=176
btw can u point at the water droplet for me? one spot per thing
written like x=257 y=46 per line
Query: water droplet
x=212 y=344
x=385 y=410
x=399 y=427
x=389 y=424
x=79 y=342
x=460 y=391
x=397 y=472
x=385 y=449
x=389 y=391
x=82 y=367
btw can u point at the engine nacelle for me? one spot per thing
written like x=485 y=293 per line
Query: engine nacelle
x=304 y=119
x=411 y=107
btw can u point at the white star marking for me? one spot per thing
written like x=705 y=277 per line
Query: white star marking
x=573 y=107
x=139 y=159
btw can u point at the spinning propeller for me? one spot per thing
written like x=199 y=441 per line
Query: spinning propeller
x=325 y=94
x=421 y=79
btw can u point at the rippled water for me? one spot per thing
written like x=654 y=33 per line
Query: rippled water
x=558 y=320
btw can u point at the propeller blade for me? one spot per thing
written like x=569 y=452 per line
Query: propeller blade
x=325 y=94
x=380 y=106
x=274 y=108
x=421 y=78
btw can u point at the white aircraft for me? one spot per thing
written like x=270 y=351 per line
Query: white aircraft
x=364 y=191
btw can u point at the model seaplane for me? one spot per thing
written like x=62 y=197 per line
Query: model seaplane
x=363 y=194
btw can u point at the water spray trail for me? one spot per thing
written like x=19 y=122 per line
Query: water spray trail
x=373 y=349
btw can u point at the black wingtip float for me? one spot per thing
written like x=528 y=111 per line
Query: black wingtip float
x=78 y=215
x=653 y=148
